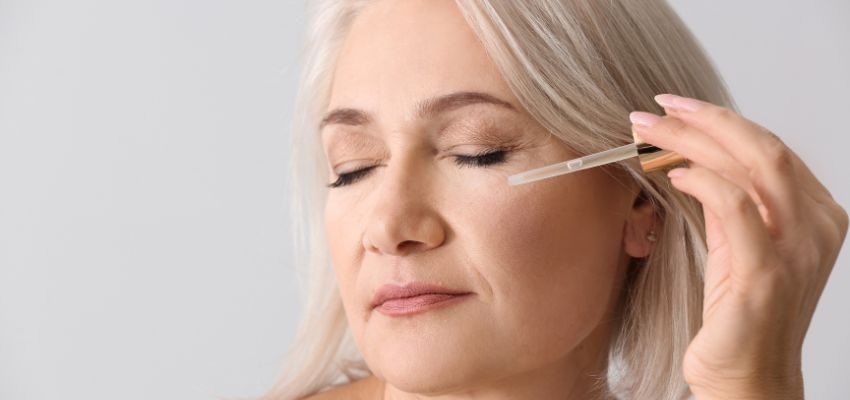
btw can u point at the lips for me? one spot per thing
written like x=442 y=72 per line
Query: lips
x=419 y=290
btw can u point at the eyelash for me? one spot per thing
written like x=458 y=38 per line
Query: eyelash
x=483 y=159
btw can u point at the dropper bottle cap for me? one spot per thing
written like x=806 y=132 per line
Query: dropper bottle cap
x=652 y=158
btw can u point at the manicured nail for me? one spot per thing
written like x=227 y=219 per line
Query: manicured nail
x=676 y=172
x=644 y=118
x=679 y=102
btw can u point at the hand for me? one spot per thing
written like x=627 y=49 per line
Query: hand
x=773 y=235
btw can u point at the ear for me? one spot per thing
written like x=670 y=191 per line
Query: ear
x=641 y=221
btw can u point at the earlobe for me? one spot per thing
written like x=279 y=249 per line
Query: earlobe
x=639 y=233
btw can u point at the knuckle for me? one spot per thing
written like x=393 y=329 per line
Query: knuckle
x=777 y=153
x=722 y=114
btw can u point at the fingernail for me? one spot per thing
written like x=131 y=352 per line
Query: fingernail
x=644 y=118
x=676 y=172
x=679 y=102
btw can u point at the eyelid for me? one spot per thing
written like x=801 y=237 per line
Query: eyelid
x=483 y=159
x=359 y=145
x=357 y=167
x=473 y=149
x=483 y=149
x=482 y=130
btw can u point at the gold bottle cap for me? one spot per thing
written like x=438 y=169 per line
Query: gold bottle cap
x=652 y=158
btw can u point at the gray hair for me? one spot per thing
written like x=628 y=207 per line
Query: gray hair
x=578 y=67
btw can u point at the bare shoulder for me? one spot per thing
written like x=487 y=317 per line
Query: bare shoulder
x=368 y=388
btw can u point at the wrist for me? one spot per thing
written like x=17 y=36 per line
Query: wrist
x=785 y=387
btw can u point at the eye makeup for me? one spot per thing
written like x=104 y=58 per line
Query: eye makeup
x=482 y=127
x=351 y=177
x=485 y=158
x=497 y=136
x=480 y=160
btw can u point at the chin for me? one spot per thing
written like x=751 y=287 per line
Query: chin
x=430 y=366
x=432 y=379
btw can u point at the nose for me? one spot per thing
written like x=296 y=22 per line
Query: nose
x=403 y=218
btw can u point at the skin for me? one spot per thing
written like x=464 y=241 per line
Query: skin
x=545 y=261
x=773 y=234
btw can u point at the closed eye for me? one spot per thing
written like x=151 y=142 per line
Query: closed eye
x=487 y=158
x=484 y=159
x=351 y=177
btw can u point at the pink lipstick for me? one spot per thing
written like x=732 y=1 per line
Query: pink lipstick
x=414 y=298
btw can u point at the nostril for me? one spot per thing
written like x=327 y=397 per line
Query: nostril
x=408 y=246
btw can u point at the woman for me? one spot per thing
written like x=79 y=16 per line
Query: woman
x=607 y=283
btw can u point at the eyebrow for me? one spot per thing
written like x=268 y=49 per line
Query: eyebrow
x=425 y=109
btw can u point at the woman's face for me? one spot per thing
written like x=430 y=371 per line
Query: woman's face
x=543 y=261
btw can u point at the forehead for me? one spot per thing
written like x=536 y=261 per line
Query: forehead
x=398 y=52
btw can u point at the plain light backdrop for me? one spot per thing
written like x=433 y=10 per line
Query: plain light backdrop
x=144 y=235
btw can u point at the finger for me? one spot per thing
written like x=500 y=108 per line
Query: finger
x=671 y=133
x=809 y=185
x=769 y=162
x=806 y=179
x=736 y=212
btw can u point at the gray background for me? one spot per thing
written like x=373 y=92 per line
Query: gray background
x=144 y=240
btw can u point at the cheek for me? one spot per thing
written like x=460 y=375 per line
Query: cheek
x=343 y=230
x=547 y=255
x=342 y=241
